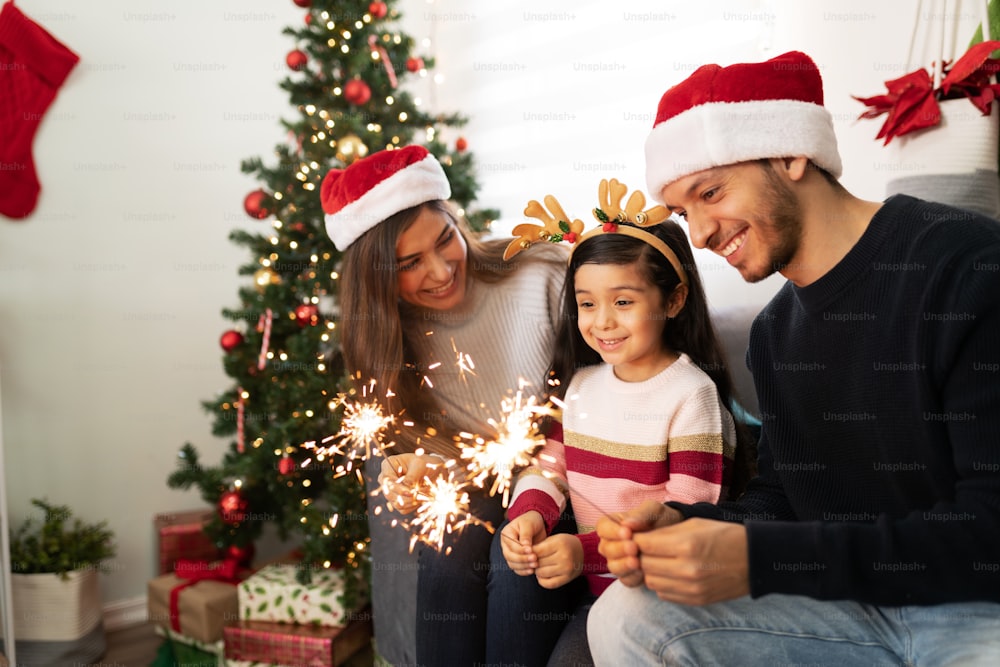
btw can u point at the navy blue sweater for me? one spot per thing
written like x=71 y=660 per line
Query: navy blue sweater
x=879 y=386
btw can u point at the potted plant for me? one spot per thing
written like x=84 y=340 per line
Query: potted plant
x=57 y=599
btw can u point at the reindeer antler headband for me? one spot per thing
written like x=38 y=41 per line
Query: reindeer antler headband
x=557 y=227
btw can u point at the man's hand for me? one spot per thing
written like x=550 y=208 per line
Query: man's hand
x=617 y=537
x=517 y=538
x=401 y=474
x=696 y=562
x=560 y=560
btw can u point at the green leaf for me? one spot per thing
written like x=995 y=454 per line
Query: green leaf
x=564 y=226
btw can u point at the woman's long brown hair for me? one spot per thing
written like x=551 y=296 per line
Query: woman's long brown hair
x=375 y=343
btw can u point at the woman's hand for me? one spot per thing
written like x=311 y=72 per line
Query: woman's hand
x=402 y=473
x=517 y=539
x=560 y=560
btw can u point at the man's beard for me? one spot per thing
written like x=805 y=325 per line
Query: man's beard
x=779 y=220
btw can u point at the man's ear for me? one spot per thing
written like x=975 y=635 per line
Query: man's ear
x=675 y=304
x=793 y=168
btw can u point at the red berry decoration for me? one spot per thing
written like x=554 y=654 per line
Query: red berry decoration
x=303 y=3
x=296 y=60
x=231 y=340
x=569 y=237
x=255 y=204
x=461 y=144
x=286 y=465
x=414 y=64
x=232 y=507
x=378 y=10
x=609 y=227
x=242 y=555
x=307 y=313
x=357 y=92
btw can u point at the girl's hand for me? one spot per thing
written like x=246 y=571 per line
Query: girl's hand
x=402 y=473
x=517 y=538
x=560 y=560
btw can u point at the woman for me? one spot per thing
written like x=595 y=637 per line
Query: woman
x=419 y=294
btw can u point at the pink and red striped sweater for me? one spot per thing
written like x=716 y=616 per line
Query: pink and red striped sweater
x=621 y=443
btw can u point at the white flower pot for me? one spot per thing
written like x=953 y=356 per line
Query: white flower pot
x=58 y=621
x=953 y=163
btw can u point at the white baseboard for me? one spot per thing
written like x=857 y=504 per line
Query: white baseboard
x=125 y=613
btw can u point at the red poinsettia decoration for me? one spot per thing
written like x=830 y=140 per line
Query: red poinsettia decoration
x=912 y=100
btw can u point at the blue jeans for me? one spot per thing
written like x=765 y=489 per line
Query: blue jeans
x=525 y=621
x=631 y=626
x=452 y=590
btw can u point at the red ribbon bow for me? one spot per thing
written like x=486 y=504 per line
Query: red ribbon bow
x=912 y=100
x=193 y=571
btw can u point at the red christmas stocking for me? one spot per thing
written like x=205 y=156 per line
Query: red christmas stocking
x=33 y=65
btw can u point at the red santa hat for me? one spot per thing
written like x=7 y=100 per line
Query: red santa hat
x=748 y=111
x=378 y=186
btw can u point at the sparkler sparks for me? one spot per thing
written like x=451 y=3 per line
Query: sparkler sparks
x=517 y=440
x=442 y=509
x=463 y=361
x=363 y=425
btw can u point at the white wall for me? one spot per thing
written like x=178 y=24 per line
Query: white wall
x=110 y=293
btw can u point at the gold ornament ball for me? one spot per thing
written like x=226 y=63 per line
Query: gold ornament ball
x=350 y=148
x=264 y=277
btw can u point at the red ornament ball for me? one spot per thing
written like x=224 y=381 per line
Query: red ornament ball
x=461 y=144
x=309 y=19
x=232 y=507
x=307 y=313
x=303 y=3
x=414 y=64
x=357 y=92
x=255 y=204
x=242 y=555
x=231 y=340
x=378 y=10
x=286 y=465
x=296 y=60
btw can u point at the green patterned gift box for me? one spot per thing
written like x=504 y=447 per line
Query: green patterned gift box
x=274 y=594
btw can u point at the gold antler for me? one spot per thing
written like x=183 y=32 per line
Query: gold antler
x=609 y=196
x=555 y=226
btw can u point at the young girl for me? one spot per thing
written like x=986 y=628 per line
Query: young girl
x=644 y=388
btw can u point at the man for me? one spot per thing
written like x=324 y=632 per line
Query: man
x=872 y=534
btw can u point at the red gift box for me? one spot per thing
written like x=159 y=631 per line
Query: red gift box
x=181 y=535
x=300 y=645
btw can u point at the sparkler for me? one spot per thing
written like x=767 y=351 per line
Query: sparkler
x=516 y=442
x=442 y=509
x=362 y=425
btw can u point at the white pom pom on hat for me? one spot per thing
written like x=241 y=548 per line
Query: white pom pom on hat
x=380 y=185
x=747 y=111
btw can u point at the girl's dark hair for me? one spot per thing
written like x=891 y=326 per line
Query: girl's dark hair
x=373 y=334
x=691 y=331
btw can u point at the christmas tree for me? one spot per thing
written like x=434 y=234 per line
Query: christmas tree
x=348 y=86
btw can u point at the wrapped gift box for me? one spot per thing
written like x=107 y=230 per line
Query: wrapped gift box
x=271 y=643
x=181 y=535
x=203 y=607
x=185 y=651
x=274 y=594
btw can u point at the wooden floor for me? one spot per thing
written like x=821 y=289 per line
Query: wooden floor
x=135 y=646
